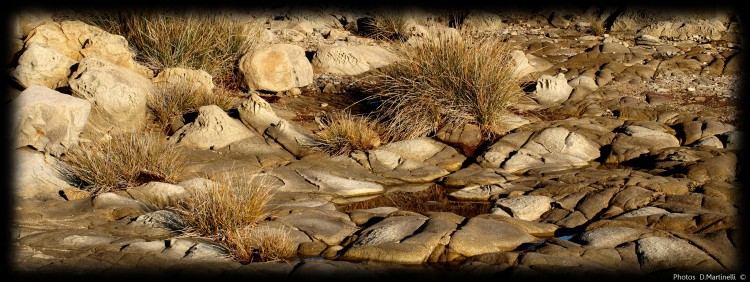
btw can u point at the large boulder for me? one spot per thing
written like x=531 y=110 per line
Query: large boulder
x=48 y=120
x=351 y=60
x=79 y=40
x=118 y=95
x=42 y=65
x=197 y=81
x=552 y=89
x=37 y=175
x=276 y=67
x=212 y=129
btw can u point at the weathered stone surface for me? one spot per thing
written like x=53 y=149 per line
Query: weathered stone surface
x=48 y=120
x=322 y=227
x=199 y=82
x=340 y=186
x=609 y=237
x=552 y=89
x=294 y=138
x=256 y=113
x=694 y=130
x=37 y=174
x=474 y=175
x=118 y=95
x=636 y=140
x=42 y=65
x=351 y=60
x=525 y=207
x=719 y=168
x=362 y=216
x=212 y=129
x=164 y=219
x=276 y=67
x=112 y=200
x=466 y=137
x=159 y=194
x=553 y=147
x=662 y=253
x=699 y=30
x=391 y=229
x=414 y=160
x=480 y=236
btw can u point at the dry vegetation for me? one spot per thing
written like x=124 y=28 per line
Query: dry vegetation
x=446 y=79
x=386 y=25
x=125 y=160
x=169 y=104
x=261 y=244
x=194 y=40
x=342 y=133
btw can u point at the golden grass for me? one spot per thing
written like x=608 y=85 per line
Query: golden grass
x=170 y=103
x=446 y=79
x=187 y=39
x=126 y=160
x=253 y=244
x=387 y=25
x=230 y=203
x=342 y=133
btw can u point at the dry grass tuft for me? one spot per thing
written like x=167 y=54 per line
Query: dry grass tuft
x=386 y=25
x=229 y=204
x=342 y=133
x=186 y=39
x=253 y=244
x=169 y=104
x=126 y=160
x=447 y=79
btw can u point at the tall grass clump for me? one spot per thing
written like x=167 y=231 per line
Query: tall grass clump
x=264 y=243
x=445 y=79
x=385 y=25
x=125 y=160
x=230 y=203
x=342 y=133
x=168 y=103
x=187 y=39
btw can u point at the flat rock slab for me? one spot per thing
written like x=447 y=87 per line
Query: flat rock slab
x=328 y=229
x=662 y=253
x=415 y=160
x=481 y=236
x=609 y=237
x=340 y=186
x=525 y=207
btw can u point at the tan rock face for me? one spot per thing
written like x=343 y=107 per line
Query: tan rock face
x=197 y=80
x=42 y=65
x=351 y=60
x=276 y=67
x=213 y=129
x=48 y=120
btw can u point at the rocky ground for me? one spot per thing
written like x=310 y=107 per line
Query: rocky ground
x=623 y=159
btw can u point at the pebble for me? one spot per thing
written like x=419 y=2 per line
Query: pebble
x=323 y=105
x=691 y=89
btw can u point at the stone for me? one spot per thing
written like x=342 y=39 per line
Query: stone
x=523 y=67
x=719 y=168
x=48 y=120
x=481 y=236
x=711 y=141
x=612 y=48
x=415 y=160
x=391 y=229
x=362 y=216
x=351 y=59
x=159 y=194
x=276 y=67
x=525 y=207
x=320 y=226
x=212 y=129
x=37 y=175
x=692 y=131
x=294 y=138
x=467 y=137
x=554 y=147
x=644 y=211
x=165 y=219
x=43 y=66
x=699 y=30
x=636 y=140
x=117 y=95
x=256 y=113
x=734 y=65
x=665 y=253
x=28 y=19
x=112 y=200
x=198 y=82
x=732 y=139
x=609 y=237
x=340 y=186
x=551 y=89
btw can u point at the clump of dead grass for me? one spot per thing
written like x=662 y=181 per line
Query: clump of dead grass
x=168 y=103
x=446 y=79
x=386 y=25
x=342 y=133
x=124 y=160
x=258 y=243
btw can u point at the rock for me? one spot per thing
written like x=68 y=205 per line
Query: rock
x=362 y=216
x=28 y=19
x=609 y=237
x=613 y=48
x=294 y=138
x=478 y=192
x=498 y=152
x=699 y=30
x=475 y=175
x=340 y=186
x=72 y=194
x=37 y=175
x=212 y=129
x=42 y=65
x=351 y=60
x=554 y=147
x=466 y=137
x=113 y=200
x=82 y=241
x=198 y=82
x=583 y=82
x=481 y=236
x=164 y=219
x=415 y=160
x=636 y=140
x=644 y=211
x=391 y=229
x=711 y=141
x=691 y=131
x=663 y=253
x=734 y=65
x=48 y=120
x=118 y=95
x=525 y=207
x=551 y=89
x=732 y=139
x=78 y=40
x=256 y=113
x=719 y=168
x=323 y=227
x=523 y=68
x=159 y=194
x=276 y=67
